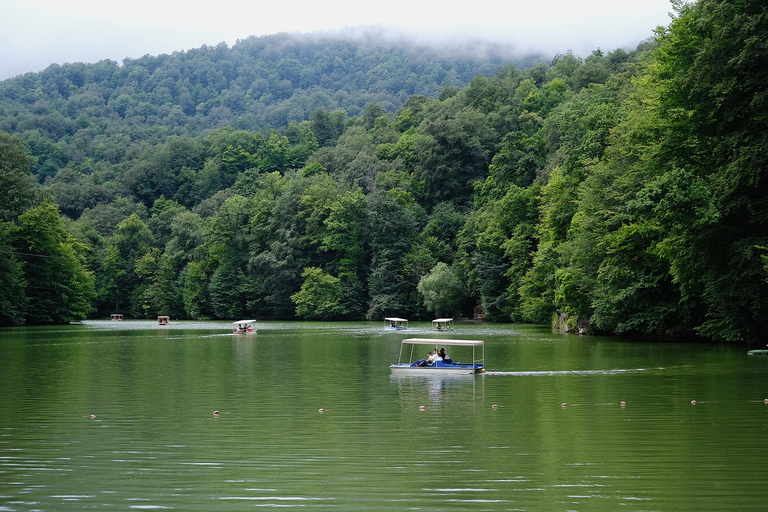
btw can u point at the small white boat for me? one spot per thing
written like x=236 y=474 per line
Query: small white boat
x=243 y=327
x=441 y=367
x=395 y=324
x=442 y=324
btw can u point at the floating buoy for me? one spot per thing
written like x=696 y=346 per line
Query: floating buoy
x=321 y=411
x=215 y=413
x=623 y=403
x=563 y=404
x=494 y=406
x=421 y=407
x=93 y=416
x=693 y=402
x=766 y=400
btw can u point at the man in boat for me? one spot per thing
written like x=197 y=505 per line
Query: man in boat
x=427 y=361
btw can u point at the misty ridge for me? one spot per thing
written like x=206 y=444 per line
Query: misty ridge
x=259 y=83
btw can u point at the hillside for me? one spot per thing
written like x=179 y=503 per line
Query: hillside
x=75 y=112
x=622 y=193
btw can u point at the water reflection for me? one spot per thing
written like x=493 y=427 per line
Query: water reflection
x=155 y=443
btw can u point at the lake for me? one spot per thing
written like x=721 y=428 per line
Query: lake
x=120 y=416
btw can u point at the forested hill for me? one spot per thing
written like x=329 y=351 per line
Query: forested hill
x=259 y=83
x=622 y=192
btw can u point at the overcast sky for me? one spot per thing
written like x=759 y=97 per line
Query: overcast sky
x=37 y=33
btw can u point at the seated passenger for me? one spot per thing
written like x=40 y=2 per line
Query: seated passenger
x=446 y=359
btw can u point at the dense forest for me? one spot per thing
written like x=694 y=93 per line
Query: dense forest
x=321 y=178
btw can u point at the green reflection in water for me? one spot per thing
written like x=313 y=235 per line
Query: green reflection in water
x=155 y=443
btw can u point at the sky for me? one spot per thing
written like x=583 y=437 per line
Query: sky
x=37 y=33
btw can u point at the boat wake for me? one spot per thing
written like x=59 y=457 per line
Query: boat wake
x=564 y=372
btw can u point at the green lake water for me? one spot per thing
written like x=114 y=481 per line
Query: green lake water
x=543 y=430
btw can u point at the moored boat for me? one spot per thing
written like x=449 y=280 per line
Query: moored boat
x=440 y=366
x=243 y=327
x=395 y=324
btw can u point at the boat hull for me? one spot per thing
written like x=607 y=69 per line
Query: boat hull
x=458 y=369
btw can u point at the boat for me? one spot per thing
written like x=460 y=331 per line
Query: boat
x=116 y=317
x=447 y=367
x=163 y=320
x=442 y=324
x=758 y=352
x=243 y=327
x=395 y=324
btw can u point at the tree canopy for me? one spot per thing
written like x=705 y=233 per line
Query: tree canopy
x=619 y=193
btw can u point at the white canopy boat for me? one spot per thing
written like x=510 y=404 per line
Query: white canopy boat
x=395 y=324
x=243 y=327
x=442 y=324
x=441 y=367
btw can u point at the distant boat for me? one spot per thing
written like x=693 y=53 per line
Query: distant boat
x=243 y=327
x=441 y=367
x=163 y=320
x=116 y=317
x=758 y=352
x=442 y=324
x=395 y=324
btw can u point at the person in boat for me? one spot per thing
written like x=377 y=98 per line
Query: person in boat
x=427 y=361
x=444 y=356
x=434 y=358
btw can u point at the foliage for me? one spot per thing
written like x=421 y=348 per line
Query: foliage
x=58 y=287
x=623 y=192
x=320 y=296
x=442 y=290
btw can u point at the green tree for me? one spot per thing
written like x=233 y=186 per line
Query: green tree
x=13 y=301
x=442 y=290
x=17 y=185
x=320 y=297
x=120 y=283
x=160 y=294
x=59 y=289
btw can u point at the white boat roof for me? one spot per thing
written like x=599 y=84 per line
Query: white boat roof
x=244 y=322
x=395 y=319
x=442 y=320
x=436 y=341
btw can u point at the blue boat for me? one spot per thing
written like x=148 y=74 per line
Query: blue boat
x=439 y=367
x=395 y=324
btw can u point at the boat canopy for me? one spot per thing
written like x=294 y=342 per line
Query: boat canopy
x=437 y=341
x=393 y=322
x=442 y=320
x=243 y=322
